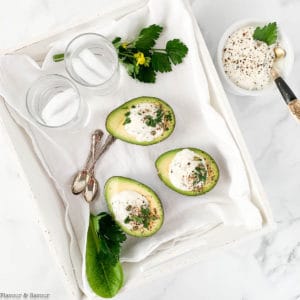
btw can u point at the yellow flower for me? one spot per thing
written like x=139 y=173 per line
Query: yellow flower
x=124 y=45
x=140 y=58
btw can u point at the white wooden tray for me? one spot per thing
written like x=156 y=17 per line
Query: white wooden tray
x=42 y=186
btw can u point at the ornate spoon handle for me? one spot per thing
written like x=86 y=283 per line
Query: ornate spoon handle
x=82 y=177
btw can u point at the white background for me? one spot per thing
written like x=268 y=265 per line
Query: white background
x=264 y=269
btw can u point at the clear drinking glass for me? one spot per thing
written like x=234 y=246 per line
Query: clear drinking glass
x=92 y=61
x=54 y=101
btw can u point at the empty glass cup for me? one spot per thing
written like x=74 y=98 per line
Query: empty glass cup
x=54 y=101
x=91 y=60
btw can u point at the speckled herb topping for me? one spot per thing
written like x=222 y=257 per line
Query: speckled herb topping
x=247 y=62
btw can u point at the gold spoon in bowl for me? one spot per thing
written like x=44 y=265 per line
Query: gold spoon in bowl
x=279 y=53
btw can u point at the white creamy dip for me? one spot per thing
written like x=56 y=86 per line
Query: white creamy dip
x=182 y=168
x=248 y=62
x=126 y=203
x=138 y=127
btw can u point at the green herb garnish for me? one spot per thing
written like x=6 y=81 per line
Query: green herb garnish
x=168 y=116
x=137 y=219
x=200 y=174
x=127 y=121
x=152 y=122
x=58 y=57
x=103 y=269
x=127 y=220
x=143 y=218
x=142 y=61
x=111 y=237
x=267 y=34
x=146 y=216
x=147 y=37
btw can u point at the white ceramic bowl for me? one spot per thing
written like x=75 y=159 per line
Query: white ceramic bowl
x=284 y=65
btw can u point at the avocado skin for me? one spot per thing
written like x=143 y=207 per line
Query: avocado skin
x=126 y=107
x=165 y=178
x=141 y=187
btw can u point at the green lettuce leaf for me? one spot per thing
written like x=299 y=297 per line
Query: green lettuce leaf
x=104 y=272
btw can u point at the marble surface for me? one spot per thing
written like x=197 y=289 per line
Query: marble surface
x=266 y=268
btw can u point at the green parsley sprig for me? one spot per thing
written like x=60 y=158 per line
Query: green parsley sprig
x=142 y=61
x=267 y=34
x=111 y=237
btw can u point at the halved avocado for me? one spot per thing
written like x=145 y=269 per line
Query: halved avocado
x=116 y=120
x=117 y=184
x=163 y=164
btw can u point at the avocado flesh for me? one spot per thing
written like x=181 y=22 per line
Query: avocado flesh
x=118 y=184
x=163 y=163
x=115 y=121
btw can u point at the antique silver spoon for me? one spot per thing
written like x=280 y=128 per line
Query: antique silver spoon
x=92 y=187
x=82 y=178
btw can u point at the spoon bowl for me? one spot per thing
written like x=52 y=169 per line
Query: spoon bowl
x=91 y=189
x=80 y=182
